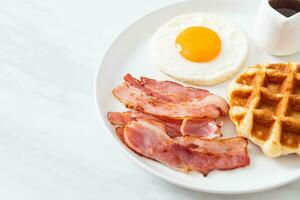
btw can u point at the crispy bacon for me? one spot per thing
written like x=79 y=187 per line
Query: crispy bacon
x=122 y=119
x=174 y=125
x=120 y=133
x=170 y=101
x=204 y=128
x=173 y=90
x=148 y=138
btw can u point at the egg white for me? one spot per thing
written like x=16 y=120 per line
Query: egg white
x=165 y=55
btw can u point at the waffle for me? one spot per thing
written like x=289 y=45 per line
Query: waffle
x=265 y=107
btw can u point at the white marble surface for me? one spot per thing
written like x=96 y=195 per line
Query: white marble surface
x=52 y=145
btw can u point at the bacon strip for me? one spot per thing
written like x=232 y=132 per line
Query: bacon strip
x=204 y=128
x=149 y=139
x=173 y=90
x=170 y=101
x=122 y=119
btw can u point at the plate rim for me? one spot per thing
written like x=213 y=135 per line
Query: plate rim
x=130 y=154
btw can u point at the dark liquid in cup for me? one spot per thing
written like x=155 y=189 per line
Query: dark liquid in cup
x=286 y=7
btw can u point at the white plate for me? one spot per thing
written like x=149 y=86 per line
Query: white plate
x=129 y=54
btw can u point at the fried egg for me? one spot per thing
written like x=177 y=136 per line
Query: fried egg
x=199 y=48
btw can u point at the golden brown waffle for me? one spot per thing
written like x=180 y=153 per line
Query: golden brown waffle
x=265 y=107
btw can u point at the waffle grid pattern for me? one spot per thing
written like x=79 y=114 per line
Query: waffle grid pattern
x=265 y=107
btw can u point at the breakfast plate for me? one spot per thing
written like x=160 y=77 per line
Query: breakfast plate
x=129 y=53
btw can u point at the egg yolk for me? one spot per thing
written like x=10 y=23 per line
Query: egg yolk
x=198 y=44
